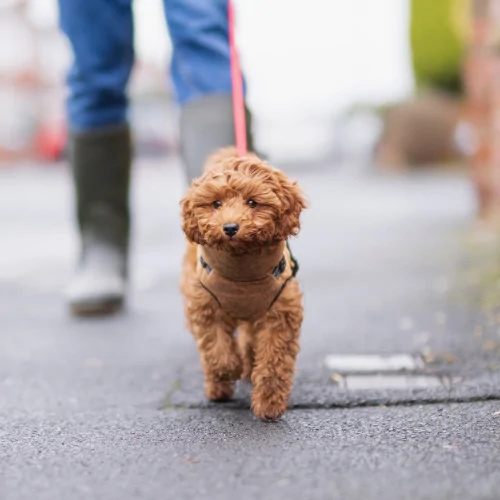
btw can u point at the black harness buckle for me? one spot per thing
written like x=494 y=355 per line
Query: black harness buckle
x=205 y=266
x=280 y=268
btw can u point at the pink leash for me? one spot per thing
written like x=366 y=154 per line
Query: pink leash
x=240 y=126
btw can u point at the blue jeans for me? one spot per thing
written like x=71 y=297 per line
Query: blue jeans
x=101 y=36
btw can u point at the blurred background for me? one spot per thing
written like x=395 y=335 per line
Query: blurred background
x=370 y=83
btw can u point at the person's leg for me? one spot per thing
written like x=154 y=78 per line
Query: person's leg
x=202 y=78
x=101 y=37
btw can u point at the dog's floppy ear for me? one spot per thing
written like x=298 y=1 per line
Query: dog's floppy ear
x=189 y=221
x=292 y=203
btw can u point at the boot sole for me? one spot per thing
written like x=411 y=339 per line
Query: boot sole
x=102 y=308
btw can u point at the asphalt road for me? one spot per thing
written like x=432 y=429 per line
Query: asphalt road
x=114 y=408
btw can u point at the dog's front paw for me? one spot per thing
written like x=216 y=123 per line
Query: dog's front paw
x=269 y=408
x=219 y=391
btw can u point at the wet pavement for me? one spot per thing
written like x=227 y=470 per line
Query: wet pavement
x=397 y=393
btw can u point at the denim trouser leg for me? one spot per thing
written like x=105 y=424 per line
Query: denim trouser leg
x=200 y=61
x=101 y=35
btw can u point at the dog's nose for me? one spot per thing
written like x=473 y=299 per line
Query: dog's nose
x=231 y=228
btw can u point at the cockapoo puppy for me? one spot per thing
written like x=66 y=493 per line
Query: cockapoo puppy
x=239 y=275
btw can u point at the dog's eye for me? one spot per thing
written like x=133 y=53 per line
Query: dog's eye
x=217 y=204
x=251 y=203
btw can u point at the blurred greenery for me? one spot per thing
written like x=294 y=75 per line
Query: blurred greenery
x=438 y=34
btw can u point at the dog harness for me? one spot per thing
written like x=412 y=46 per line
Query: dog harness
x=246 y=286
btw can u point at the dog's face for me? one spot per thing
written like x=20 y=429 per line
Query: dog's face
x=240 y=203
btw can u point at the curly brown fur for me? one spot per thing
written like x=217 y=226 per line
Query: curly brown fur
x=266 y=205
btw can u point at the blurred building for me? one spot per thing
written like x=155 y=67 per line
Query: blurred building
x=309 y=63
x=34 y=57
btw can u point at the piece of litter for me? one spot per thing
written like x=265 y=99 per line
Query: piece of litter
x=497 y=413
x=450 y=358
x=337 y=377
x=428 y=356
x=491 y=346
x=431 y=357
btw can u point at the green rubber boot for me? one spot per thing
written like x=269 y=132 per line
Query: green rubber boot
x=101 y=164
x=207 y=124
